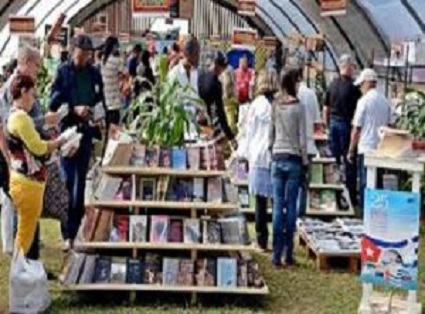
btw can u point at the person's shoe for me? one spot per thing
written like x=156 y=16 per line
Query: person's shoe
x=277 y=266
x=290 y=264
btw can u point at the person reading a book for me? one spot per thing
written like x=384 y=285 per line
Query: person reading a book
x=288 y=148
x=257 y=152
x=28 y=153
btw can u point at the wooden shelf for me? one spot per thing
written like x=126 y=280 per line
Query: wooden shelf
x=326 y=186
x=324 y=160
x=240 y=183
x=157 y=172
x=315 y=212
x=251 y=211
x=164 y=204
x=161 y=288
x=165 y=246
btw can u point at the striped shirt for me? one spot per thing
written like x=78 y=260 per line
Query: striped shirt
x=110 y=76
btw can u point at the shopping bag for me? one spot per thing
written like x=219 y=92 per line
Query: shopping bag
x=28 y=286
x=7 y=222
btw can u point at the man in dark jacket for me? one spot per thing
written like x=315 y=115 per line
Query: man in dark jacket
x=78 y=85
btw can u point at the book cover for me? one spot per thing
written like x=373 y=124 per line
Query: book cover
x=198 y=190
x=317 y=174
x=176 y=230
x=206 y=272
x=121 y=155
x=328 y=200
x=102 y=271
x=159 y=229
x=215 y=190
x=230 y=192
x=147 y=189
x=138 y=228
x=255 y=279
x=134 y=271
x=194 y=158
x=204 y=163
x=226 y=272
x=332 y=174
x=90 y=221
x=314 y=199
x=230 y=231
x=152 y=269
x=211 y=232
x=104 y=226
x=152 y=157
x=243 y=197
x=184 y=189
x=162 y=188
x=179 y=158
x=212 y=157
x=118 y=270
x=108 y=188
x=165 y=158
x=88 y=270
x=186 y=272
x=75 y=268
x=242 y=174
x=242 y=273
x=120 y=229
x=192 y=231
x=138 y=155
x=170 y=271
x=124 y=192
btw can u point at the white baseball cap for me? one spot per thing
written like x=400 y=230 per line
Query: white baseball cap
x=367 y=75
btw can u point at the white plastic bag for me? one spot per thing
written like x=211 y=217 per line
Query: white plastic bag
x=28 y=286
x=7 y=218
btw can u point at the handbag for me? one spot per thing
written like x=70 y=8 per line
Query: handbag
x=56 y=195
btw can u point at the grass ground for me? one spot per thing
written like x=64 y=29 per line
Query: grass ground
x=297 y=291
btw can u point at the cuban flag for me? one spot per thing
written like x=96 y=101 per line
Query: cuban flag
x=370 y=251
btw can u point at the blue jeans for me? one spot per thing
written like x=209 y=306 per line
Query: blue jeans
x=339 y=142
x=75 y=170
x=286 y=174
x=305 y=180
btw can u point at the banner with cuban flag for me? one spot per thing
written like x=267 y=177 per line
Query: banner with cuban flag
x=391 y=240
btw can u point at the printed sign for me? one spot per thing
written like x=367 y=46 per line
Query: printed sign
x=151 y=8
x=61 y=37
x=333 y=7
x=243 y=38
x=390 y=243
x=246 y=7
x=22 y=25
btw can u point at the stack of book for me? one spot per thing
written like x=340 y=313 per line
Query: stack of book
x=153 y=269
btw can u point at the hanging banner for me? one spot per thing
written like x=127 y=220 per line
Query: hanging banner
x=243 y=38
x=151 y=8
x=333 y=7
x=390 y=243
x=246 y=7
x=21 y=25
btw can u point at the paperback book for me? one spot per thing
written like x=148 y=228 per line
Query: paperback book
x=147 y=189
x=104 y=226
x=176 y=230
x=152 y=271
x=165 y=158
x=102 y=273
x=159 y=229
x=243 y=197
x=186 y=272
x=192 y=231
x=243 y=169
x=226 y=272
x=134 y=271
x=215 y=190
x=316 y=173
x=198 y=190
x=120 y=229
x=194 y=158
x=138 y=155
x=88 y=270
x=212 y=232
x=328 y=200
x=179 y=158
x=138 y=228
x=118 y=271
x=75 y=269
x=90 y=221
x=152 y=156
x=170 y=271
x=206 y=272
x=108 y=188
x=242 y=273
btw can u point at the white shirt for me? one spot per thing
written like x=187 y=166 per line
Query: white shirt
x=110 y=76
x=373 y=111
x=308 y=99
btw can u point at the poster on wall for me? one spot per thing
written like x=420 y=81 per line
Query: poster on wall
x=246 y=7
x=390 y=244
x=244 y=38
x=333 y=7
x=151 y=8
x=21 y=25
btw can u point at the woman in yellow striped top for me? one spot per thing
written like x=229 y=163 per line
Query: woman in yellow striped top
x=28 y=153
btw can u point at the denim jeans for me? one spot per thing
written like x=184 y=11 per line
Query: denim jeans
x=339 y=142
x=75 y=170
x=261 y=229
x=286 y=174
x=305 y=180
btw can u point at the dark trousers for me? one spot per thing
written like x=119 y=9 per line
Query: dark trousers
x=75 y=170
x=339 y=142
x=305 y=181
x=261 y=219
x=34 y=251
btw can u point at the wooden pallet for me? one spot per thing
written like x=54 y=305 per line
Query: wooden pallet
x=329 y=261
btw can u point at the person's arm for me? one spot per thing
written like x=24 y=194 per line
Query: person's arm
x=56 y=97
x=358 y=123
x=303 y=135
x=221 y=114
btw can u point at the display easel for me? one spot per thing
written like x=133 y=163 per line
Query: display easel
x=416 y=167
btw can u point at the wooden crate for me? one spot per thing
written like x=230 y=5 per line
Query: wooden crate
x=330 y=261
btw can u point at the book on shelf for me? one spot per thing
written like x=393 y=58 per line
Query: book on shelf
x=242 y=273
x=194 y=158
x=159 y=229
x=199 y=190
x=152 y=269
x=89 y=223
x=206 y=272
x=165 y=157
x=230 y=192
x=75 y=268
x=147 y=189
x=328 y=200
x=176 y=230
x=88 y=270
x=332 y=174
x=181 y=190
x=179 y=158
x=317 y=173
x=117 y=154
x=192 y=230
x=215 y=190
x=242 y=170
x=170 y=271
x=102 y=272
x=138 y=155
x=104 y=226
x=230 y=231
x=152 y=156
x=134 y=271
x=125 y=191
x=243 y=197
x=314 y=199
x=255 y=280
x=226 y=272
x=118 y=270
x=120 y=229
x=211 y=232
x=162 y=188
x=138 y=228
x=186 y=272
x=108 y=188
x=212 y=156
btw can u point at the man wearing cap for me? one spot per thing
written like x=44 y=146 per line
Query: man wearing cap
x=339 y=107
x=373 y=111
x=78 y=85
x=211 y=91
